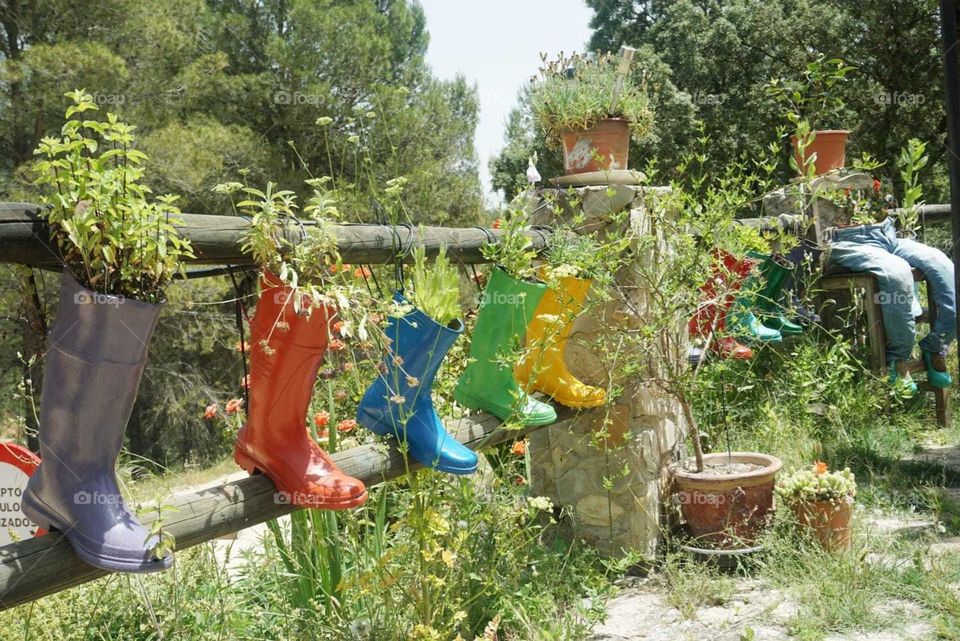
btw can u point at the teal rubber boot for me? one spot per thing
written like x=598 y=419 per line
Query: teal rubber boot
x=488 y=383
x=939 y=378
x=904 y=380
x=774 y=272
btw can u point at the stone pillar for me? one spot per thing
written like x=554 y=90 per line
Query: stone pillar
x=615 y=486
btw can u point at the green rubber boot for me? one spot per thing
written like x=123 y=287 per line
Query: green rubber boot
x=774 y=272
x=506 y=309
x=900 y=378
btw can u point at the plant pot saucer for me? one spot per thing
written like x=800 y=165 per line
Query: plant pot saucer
x=592 y=178
x=723 y=558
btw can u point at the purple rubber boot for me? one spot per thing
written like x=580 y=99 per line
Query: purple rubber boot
x=95 y=357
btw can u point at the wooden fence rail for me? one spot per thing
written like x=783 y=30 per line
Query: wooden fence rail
x=216 y=240
x=37 y=567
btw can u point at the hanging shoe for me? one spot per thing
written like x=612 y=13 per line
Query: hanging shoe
x=399 y=401
x=286 y=350
x=937 y=374
x=774 y=273
x=728 y=347
x=742 y=323
x=92 y=370
x=899 y=376
x=542 y=368
x=506 y=309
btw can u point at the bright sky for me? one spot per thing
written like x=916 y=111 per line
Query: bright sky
x=497 y=44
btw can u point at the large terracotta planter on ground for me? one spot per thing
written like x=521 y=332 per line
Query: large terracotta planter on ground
x=827 y=521
x=830 y=146
x=722 y=509
x=605 y=147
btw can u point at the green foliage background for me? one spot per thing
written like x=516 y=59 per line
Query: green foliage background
x=711 y=60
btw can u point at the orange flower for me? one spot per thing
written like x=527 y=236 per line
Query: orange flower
x=820 y=468
x=321 y=419
x=347 y=425
x=234 y=405
x=323 y=434
x=361 y=272
x=336 y=345
x=519 y=447
x=497 y=223
x=211 y=411
x=338 y=327
x=876 y=186
x=333 y=269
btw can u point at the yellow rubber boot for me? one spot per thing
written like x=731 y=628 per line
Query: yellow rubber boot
x=542 y=369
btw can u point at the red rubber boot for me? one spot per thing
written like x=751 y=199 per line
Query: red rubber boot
x=711 y=316
x=286 y=350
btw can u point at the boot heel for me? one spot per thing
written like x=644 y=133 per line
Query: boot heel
x=40 y=519
x=245 y=462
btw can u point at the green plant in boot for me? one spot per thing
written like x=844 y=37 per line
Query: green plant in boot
x=937 y=374
x=488 y=383
x=774 y=272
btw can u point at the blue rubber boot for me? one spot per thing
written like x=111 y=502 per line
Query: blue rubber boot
x=937 y=377
x=398 y=402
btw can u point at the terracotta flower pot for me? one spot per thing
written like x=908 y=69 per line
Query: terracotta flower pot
x=828 y=522
x=830 y=146
x=724 y=509
x=605 y=147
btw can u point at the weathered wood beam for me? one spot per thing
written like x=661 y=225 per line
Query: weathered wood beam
x=217 y=239
x=41 y=566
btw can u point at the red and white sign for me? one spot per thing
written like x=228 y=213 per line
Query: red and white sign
x=16 y=466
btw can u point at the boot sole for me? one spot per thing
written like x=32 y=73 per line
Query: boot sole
x=574 y=404
x=45 y=520
x=474 y=403
x=252 y=467
x=380 y=429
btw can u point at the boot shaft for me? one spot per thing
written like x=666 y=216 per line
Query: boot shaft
x=506 y=310
x=96 y=356
x=418 y=345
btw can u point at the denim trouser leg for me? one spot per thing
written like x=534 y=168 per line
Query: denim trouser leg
x=938 y=269
x=896 y=289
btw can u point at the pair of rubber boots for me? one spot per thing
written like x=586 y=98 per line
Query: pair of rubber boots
x=399 y=402
x=529 y=317
x=732 y=317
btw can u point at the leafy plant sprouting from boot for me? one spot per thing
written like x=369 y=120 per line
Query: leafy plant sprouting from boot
x=435 y=287
x=513 y=252
x=113 y=237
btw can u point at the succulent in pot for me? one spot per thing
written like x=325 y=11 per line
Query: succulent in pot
x=593 y=106
x=815 y=109
x=120 y=249
x=822 y=502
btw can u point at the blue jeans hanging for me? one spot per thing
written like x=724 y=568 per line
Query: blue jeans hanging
x=876 y=249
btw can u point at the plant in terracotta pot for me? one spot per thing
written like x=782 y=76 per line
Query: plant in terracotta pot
x=592 y=106
x=816 y=111
x=822 y=503
x=120 y=251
